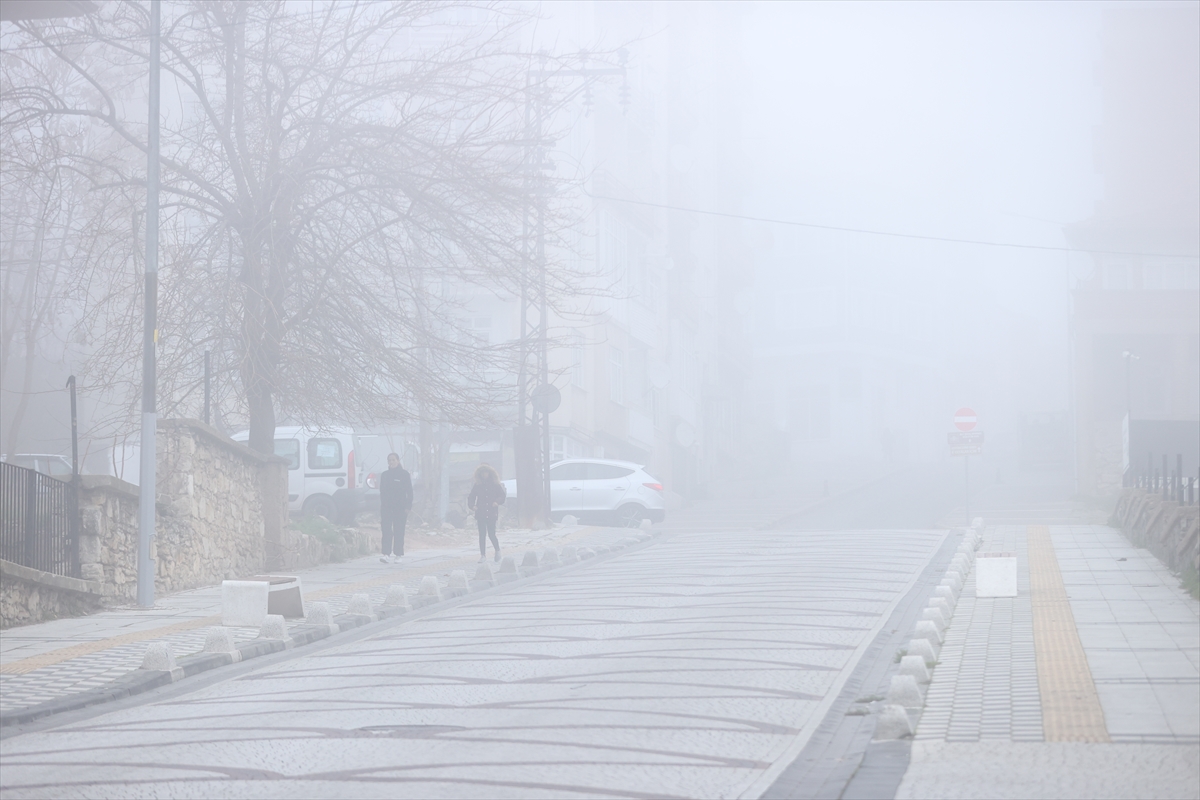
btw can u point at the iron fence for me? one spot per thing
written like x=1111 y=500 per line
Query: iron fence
x=39 y=521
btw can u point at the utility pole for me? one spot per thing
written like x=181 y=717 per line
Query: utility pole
x=535 y=333
x=146 y=491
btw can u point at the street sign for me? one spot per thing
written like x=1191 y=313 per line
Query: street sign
x=545 y=398
x=965 y=437
x=965 y=419
x=966 y=450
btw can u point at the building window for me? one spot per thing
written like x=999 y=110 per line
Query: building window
x=616 y=375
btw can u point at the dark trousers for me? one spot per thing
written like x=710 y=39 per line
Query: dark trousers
x=391 y=522
x=487 y=528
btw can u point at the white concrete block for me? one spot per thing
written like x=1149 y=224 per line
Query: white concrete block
x=954 y=581
x=484 y=573
x=529 y=560
x=570 y=554
x=244 y=603
x=924 y=649
x=943 y=605
x=996 y=575
x=586 y=553
x=915 y=666
x=360 y=605
x=319 y=614
x=893 y=723
x=645 y=524
x=934 y=615
x=947 y=594
x=219 y=640
x=273 y=627
x=397 y=597
x=508 y=564
x=904 y=691
x=458 y=579
x=158 y=656
x=550 y=558
x=430 y=587
x=927 y=630
x=570 y=519
x=977 y=523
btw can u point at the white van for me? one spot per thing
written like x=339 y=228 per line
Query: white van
x=321 y=473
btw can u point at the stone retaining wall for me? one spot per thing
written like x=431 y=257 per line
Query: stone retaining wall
x=221 y=511
x=30 y=595
x=1168 y=529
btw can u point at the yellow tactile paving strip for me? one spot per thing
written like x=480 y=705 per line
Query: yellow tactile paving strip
x=87 y=648
x=1071 y=709
x=53 y=657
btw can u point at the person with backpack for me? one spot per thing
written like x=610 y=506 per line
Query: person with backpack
x=485 y=499
x=395 y=500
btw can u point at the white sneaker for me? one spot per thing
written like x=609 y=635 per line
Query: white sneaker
x=384 y=559
x=396 y=559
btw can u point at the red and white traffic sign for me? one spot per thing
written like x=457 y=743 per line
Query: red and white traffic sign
x=965 y=419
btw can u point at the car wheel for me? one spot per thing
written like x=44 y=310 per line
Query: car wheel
x=320 y=505
x=630 y=515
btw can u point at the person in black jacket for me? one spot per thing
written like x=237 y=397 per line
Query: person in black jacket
x=395 y=500
x=485 y=499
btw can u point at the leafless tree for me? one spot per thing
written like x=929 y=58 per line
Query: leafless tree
x=330 y=171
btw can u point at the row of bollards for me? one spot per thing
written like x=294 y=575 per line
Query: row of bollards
x=905 y=693
x=219 y=639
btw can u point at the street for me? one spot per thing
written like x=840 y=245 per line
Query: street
x=697 y=665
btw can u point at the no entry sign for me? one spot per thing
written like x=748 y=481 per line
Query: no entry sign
x=964 y=419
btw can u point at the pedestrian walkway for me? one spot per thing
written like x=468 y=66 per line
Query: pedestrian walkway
x=51 y=660
x=1087 y=684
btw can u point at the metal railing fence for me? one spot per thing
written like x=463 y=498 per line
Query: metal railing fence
x=39 y=521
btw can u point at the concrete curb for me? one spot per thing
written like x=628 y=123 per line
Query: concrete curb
x=300 y=634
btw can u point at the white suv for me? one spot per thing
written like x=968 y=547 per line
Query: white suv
x=619 y=491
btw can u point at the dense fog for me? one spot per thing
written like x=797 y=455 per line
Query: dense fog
x=785 y=242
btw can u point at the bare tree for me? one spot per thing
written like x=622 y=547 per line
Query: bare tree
x=329 y=171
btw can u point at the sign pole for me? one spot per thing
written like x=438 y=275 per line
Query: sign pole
x=146 y=489
x=967 y=486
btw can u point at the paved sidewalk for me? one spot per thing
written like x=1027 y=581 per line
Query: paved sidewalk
x=1095 y=696
x=52 y=660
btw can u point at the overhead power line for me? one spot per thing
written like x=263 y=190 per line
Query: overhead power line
x=895 y=234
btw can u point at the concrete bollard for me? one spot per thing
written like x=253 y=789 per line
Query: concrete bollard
x=943 y=605
x=508 y=570
x=159 y=656
x=458 y=584
x=484 y=579
x=274 y=627
x=320 y=615
x=927 y=630
x=893 y=723
x=570 y=519
x=915 y=666
x=397 y=597
x=360 y=606
x=977 y=523
x=570 y=554
x=428 y=593
x=645 y=524
x=904 y=691
x=550 y=558
x=529 y=563
x=585 y=553
x=947 y=594
x=954 y=581
x=934 y=615
x=924 y=649
x=601 y=550
x=219 y=640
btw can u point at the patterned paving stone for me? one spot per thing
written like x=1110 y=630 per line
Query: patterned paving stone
x=694 y=667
